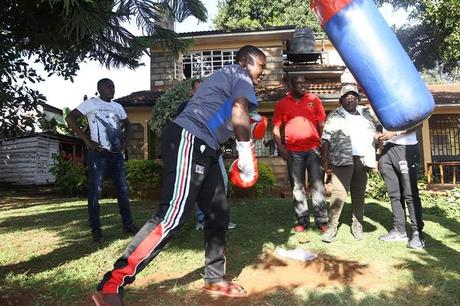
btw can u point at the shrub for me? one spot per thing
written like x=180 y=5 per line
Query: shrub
x=70 y=178
x=166 y=106
x=376 y=188
x=143 y=176
x=266 y=181
x=262 y=188
x=442 y=204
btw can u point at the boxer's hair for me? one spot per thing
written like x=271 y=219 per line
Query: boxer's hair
x=247 y=53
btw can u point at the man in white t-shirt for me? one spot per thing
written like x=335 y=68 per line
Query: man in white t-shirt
x=398 y=166
x=105 y=152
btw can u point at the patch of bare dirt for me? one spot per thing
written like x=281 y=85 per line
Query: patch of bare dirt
x=326 y=271
x=271 y=275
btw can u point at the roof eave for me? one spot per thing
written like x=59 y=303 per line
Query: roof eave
x=217 y=33
x=447 y=105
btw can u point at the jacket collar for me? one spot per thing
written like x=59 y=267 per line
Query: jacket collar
x=342 y=112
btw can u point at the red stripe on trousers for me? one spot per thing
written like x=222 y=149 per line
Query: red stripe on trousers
x=144 y=249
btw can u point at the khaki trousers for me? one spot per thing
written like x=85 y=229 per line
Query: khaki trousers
x=353 y=179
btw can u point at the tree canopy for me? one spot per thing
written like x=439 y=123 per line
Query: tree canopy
x=255 y=14
x=433 y=32
x=61 y=34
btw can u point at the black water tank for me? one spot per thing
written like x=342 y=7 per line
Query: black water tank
x=303 y=41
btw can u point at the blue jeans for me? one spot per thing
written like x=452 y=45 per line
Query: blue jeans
x=101 y=164
x=199 y=214
x=310 y=161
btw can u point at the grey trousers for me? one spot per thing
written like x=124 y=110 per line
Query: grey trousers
x=398 y=167
x=310 y=161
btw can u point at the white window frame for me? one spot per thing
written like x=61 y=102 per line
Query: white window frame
x=205 y=62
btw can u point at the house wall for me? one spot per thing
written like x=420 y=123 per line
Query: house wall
x=329 y=53
x=426 y=144
x=140 y=115
x=26 y=161
x=164 y=73
x=273 y=71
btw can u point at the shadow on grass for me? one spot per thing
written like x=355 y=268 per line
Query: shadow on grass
x=435 y=270
x=29 y=201
x=70 y=225
x=369 y=209
x=437 y=266
x=379 y=213
x=165 y=294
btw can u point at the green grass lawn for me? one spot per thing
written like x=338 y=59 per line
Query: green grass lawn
x=47 y=258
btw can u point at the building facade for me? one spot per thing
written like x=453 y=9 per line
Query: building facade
x=325 y=73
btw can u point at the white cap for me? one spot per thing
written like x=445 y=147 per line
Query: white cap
x=349 y=88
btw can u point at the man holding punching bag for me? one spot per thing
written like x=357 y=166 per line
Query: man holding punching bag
x=398 y=165
x=190 y=150
x=371 y=50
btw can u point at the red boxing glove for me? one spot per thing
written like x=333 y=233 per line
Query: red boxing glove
x=244 y=171
x=258 y=125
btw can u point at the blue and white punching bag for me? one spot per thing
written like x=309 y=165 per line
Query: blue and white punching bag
x=377 y=60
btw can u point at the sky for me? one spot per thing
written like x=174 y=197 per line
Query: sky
x=61 y=93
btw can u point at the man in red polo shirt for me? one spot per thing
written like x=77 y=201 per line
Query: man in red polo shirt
x=302 y=116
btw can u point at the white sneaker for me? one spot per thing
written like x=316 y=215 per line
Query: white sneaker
x=231 y=225
x=199 y=226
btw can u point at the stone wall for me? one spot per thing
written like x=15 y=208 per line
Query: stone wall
x=274 y=68
x=161 y=71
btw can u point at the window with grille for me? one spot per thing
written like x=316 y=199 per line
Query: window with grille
x=444 y=137
x=199 y=64
x=264 y=148
x=136 y=142
x=154 y=145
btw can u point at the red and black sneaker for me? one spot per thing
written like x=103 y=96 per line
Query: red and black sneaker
x=300 y=228
x=302 y=224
